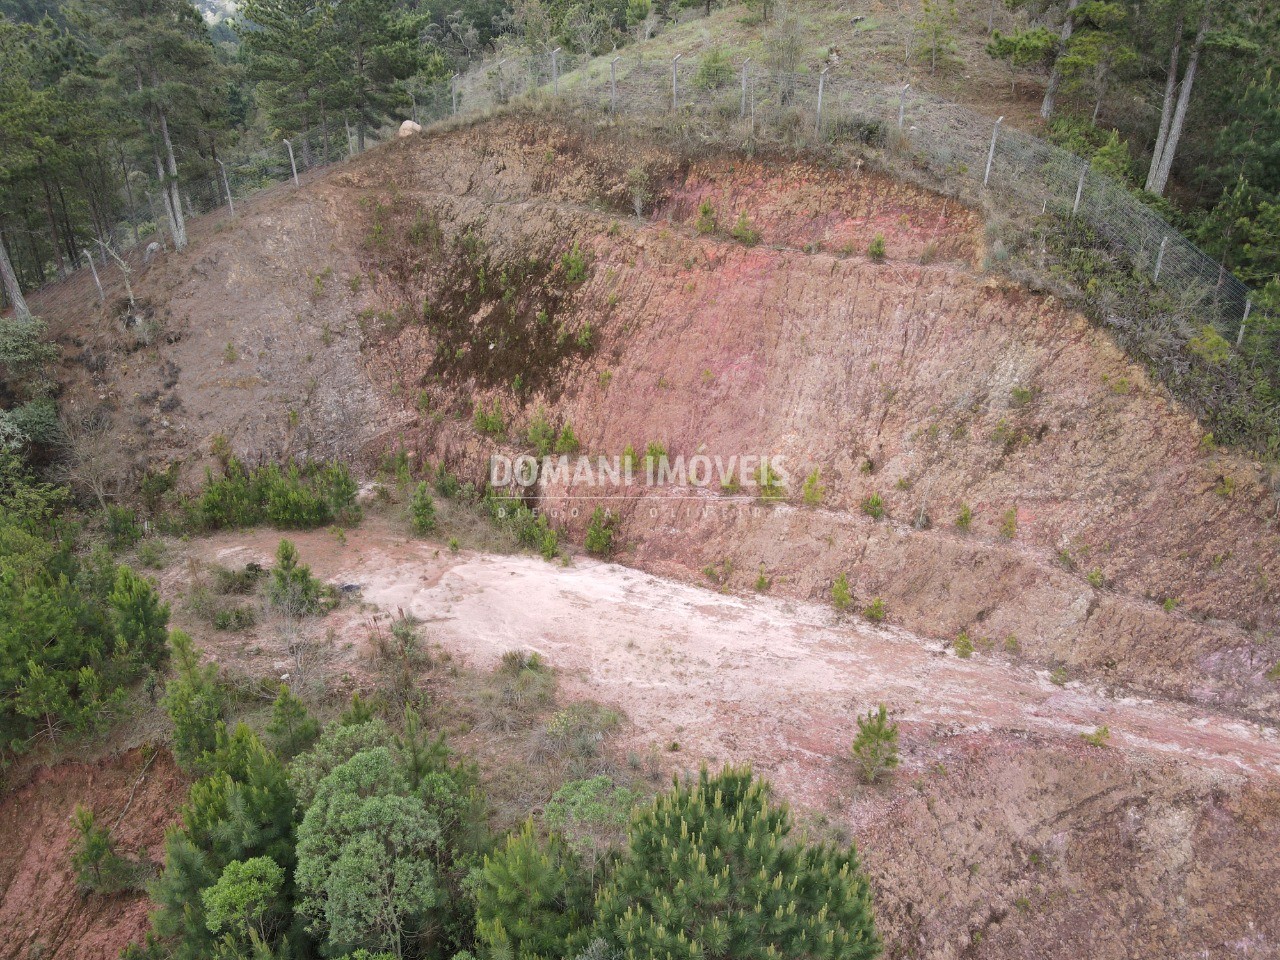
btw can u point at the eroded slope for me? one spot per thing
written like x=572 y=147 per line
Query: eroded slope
x=378 y=306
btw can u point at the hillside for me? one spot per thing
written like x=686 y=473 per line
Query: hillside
x=342 y=615
x=1116 y=571
x=1151 y=557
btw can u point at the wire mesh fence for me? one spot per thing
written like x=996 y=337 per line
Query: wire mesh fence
x=747 y=102
x=224 y=183
x=750 y=103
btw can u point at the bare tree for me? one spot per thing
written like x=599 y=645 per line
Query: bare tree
x=96 y=461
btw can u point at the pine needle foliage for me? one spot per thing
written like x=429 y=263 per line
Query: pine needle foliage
x=711 y=873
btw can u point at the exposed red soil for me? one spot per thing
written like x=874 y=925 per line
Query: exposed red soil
x=903 y=378
x=42 y=912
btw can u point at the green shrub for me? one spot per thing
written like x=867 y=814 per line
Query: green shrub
x=600 y=533
x=654 y=454
x=383 y=847
x=1009 y=524
x=707 y=221
x=581 y=808
x=152 y=554
x=121 y=528
x=1096 y=579
x=1098 y=738
x=875 y=748
x=769 y=482
x=965 y=518
x=243 y=905
x=716 y=841
x=239 y=582
x=234 y=618
x=295 y=498
x=530 y=527
x=578 y=730
x=422 y=510
x=964 y=646
x=813 y=489
x=490 y=422
x=714 y=71
x=763 y=581
x=744 y=232
x=841 y=598
x=876 y=248
x=574 y=264
x=566 y=442
x=873 y=506
x=875 y=611
x=541 y=435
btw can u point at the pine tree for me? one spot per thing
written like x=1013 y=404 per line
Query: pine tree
x=937 y=25
x=161 y=57
x=98 y=866
x=289 y=47
x=292 y=729
x=292 y=587
x=193 y=700
x=141 y=618
x=422 y=509
x=1098 y=53
x=243 y=809
x=1021 y=49
x=710 y=871
x=875 y=748
x=529 y=899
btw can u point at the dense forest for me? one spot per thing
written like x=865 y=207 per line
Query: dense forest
x=109 y=109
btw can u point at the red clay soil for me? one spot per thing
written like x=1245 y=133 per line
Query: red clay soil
x=1135 y=552
x=42 y=912
x=1109 y=540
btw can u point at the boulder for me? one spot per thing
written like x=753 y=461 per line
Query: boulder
x=409 y=128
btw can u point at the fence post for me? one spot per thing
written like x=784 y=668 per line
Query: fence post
x=675 y=73
x=1248 y=306
x=1155 y=278
x=613 y=85
x=502 y=90
x=822 y=85
x=453 y=92
x=102 y=297
x=555 y=71
x=227 y=186
x=351 y=147
x=902 y=105
x=293 y=166
x=1084 y=172
x=745 y=63
x=991 y=154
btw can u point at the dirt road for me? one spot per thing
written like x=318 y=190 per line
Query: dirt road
x=1002 y=826
x=777 y=682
